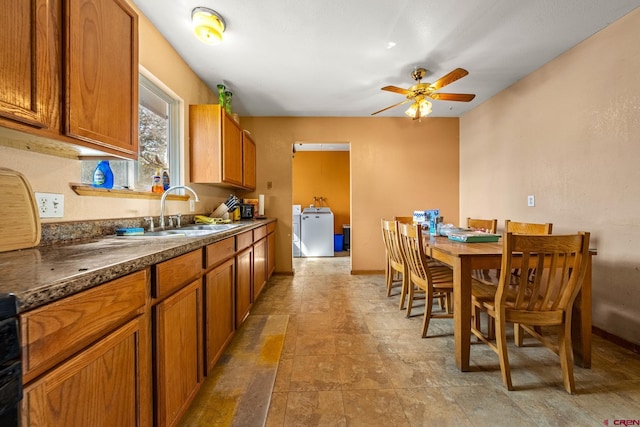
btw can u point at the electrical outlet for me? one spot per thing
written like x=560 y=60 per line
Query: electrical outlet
x=192 y=205
x=50 y=205
x=531 y=200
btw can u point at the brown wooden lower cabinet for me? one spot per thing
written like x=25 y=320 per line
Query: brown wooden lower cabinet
x=87 y=357
x=106 y=384
x=219 y=310
x=244 y=282
x=271 y=252
x=178 y=352
x=259 y=266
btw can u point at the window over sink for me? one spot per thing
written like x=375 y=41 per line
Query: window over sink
x=158 y=140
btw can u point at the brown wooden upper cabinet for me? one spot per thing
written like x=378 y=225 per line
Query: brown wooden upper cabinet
x=248 y=161
x=101 y=63
x=92 y=51
x=29 y=76
x=218 y=147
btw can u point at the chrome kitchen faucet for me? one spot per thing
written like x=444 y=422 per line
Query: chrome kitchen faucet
x=164 y=196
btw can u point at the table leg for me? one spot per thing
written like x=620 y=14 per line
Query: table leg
x=581 y=323
x=462 y=310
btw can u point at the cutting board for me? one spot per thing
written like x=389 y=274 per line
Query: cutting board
x=19 y=217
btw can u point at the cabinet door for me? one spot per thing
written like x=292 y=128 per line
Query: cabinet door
x=271 y=254
x=219 y=310
x=244 y=282
x=101 y=58
x=178 y=352
x=108 y=384
x=259 y=266
x=29 y=67
x=248 y=162
x=231 y=151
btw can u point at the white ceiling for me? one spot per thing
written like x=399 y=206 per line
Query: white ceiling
x=331 y=57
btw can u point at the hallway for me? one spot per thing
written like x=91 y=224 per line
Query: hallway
x=324 y=347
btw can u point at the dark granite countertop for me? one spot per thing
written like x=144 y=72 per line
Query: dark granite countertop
x=42 y=275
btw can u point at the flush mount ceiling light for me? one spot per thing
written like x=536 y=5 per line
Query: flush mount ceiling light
x=208 y=25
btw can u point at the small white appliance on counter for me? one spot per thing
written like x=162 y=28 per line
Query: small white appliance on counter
x=316 y=232
x=296 y=211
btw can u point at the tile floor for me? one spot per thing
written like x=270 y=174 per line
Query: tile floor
x=325 y=348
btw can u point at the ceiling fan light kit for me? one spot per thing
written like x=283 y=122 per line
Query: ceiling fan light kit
x=208 y=25
x=419 y=109
x=418 y=93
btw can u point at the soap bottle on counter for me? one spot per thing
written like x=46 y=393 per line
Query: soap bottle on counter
x=102 y=175
x=166 y=181
x=156 y=183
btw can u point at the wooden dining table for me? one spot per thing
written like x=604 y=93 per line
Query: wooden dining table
x=463 y=258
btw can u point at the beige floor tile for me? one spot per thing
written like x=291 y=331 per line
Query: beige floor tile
x=316 y=344
x=431 y=406
x=315 y=408
x=315 y=373
x=363 y=372
x=366 y=408
x=347 y=343
x=277 y=409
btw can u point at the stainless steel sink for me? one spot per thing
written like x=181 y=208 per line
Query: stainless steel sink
x=212 y=227
x=181 y=232
x=195 y=230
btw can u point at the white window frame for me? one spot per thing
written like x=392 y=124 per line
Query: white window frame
x=176 y=123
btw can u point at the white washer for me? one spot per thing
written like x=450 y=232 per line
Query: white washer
x=295 y=235
x=316 y=227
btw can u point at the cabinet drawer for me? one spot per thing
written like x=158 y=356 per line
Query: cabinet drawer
x=244 y=240
x=171 y=275
x=56 y=331
x=271 y=227
x=220 y=251
x=259 y=233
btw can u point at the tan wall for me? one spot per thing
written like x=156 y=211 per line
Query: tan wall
x=323 y=174
x=569 y=134
x=397 y=165
x=53 y=174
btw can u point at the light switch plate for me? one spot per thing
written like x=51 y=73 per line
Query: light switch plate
x=531 y=200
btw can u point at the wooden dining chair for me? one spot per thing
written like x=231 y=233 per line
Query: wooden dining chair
x=546 y=300
x=404 y=219
x=484 y=292
x=430 y=278
x=487 y=225
x=527 y=227
x=396 y=269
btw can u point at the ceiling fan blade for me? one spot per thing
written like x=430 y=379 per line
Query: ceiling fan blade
x=391 y=106
x=464 y=97
x=395 y=89
x=456 y=74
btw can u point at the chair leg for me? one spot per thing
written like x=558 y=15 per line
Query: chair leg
x=501 y=344
x=428 y=305
x=388 y=275
x=565 y=352
x=410 y=293
x=476 y=318
x=403 y=291
x=518 y=334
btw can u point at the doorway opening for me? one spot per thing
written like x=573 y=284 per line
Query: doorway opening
x=321 y=199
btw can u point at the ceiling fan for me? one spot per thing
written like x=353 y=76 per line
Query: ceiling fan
x=419 y=92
